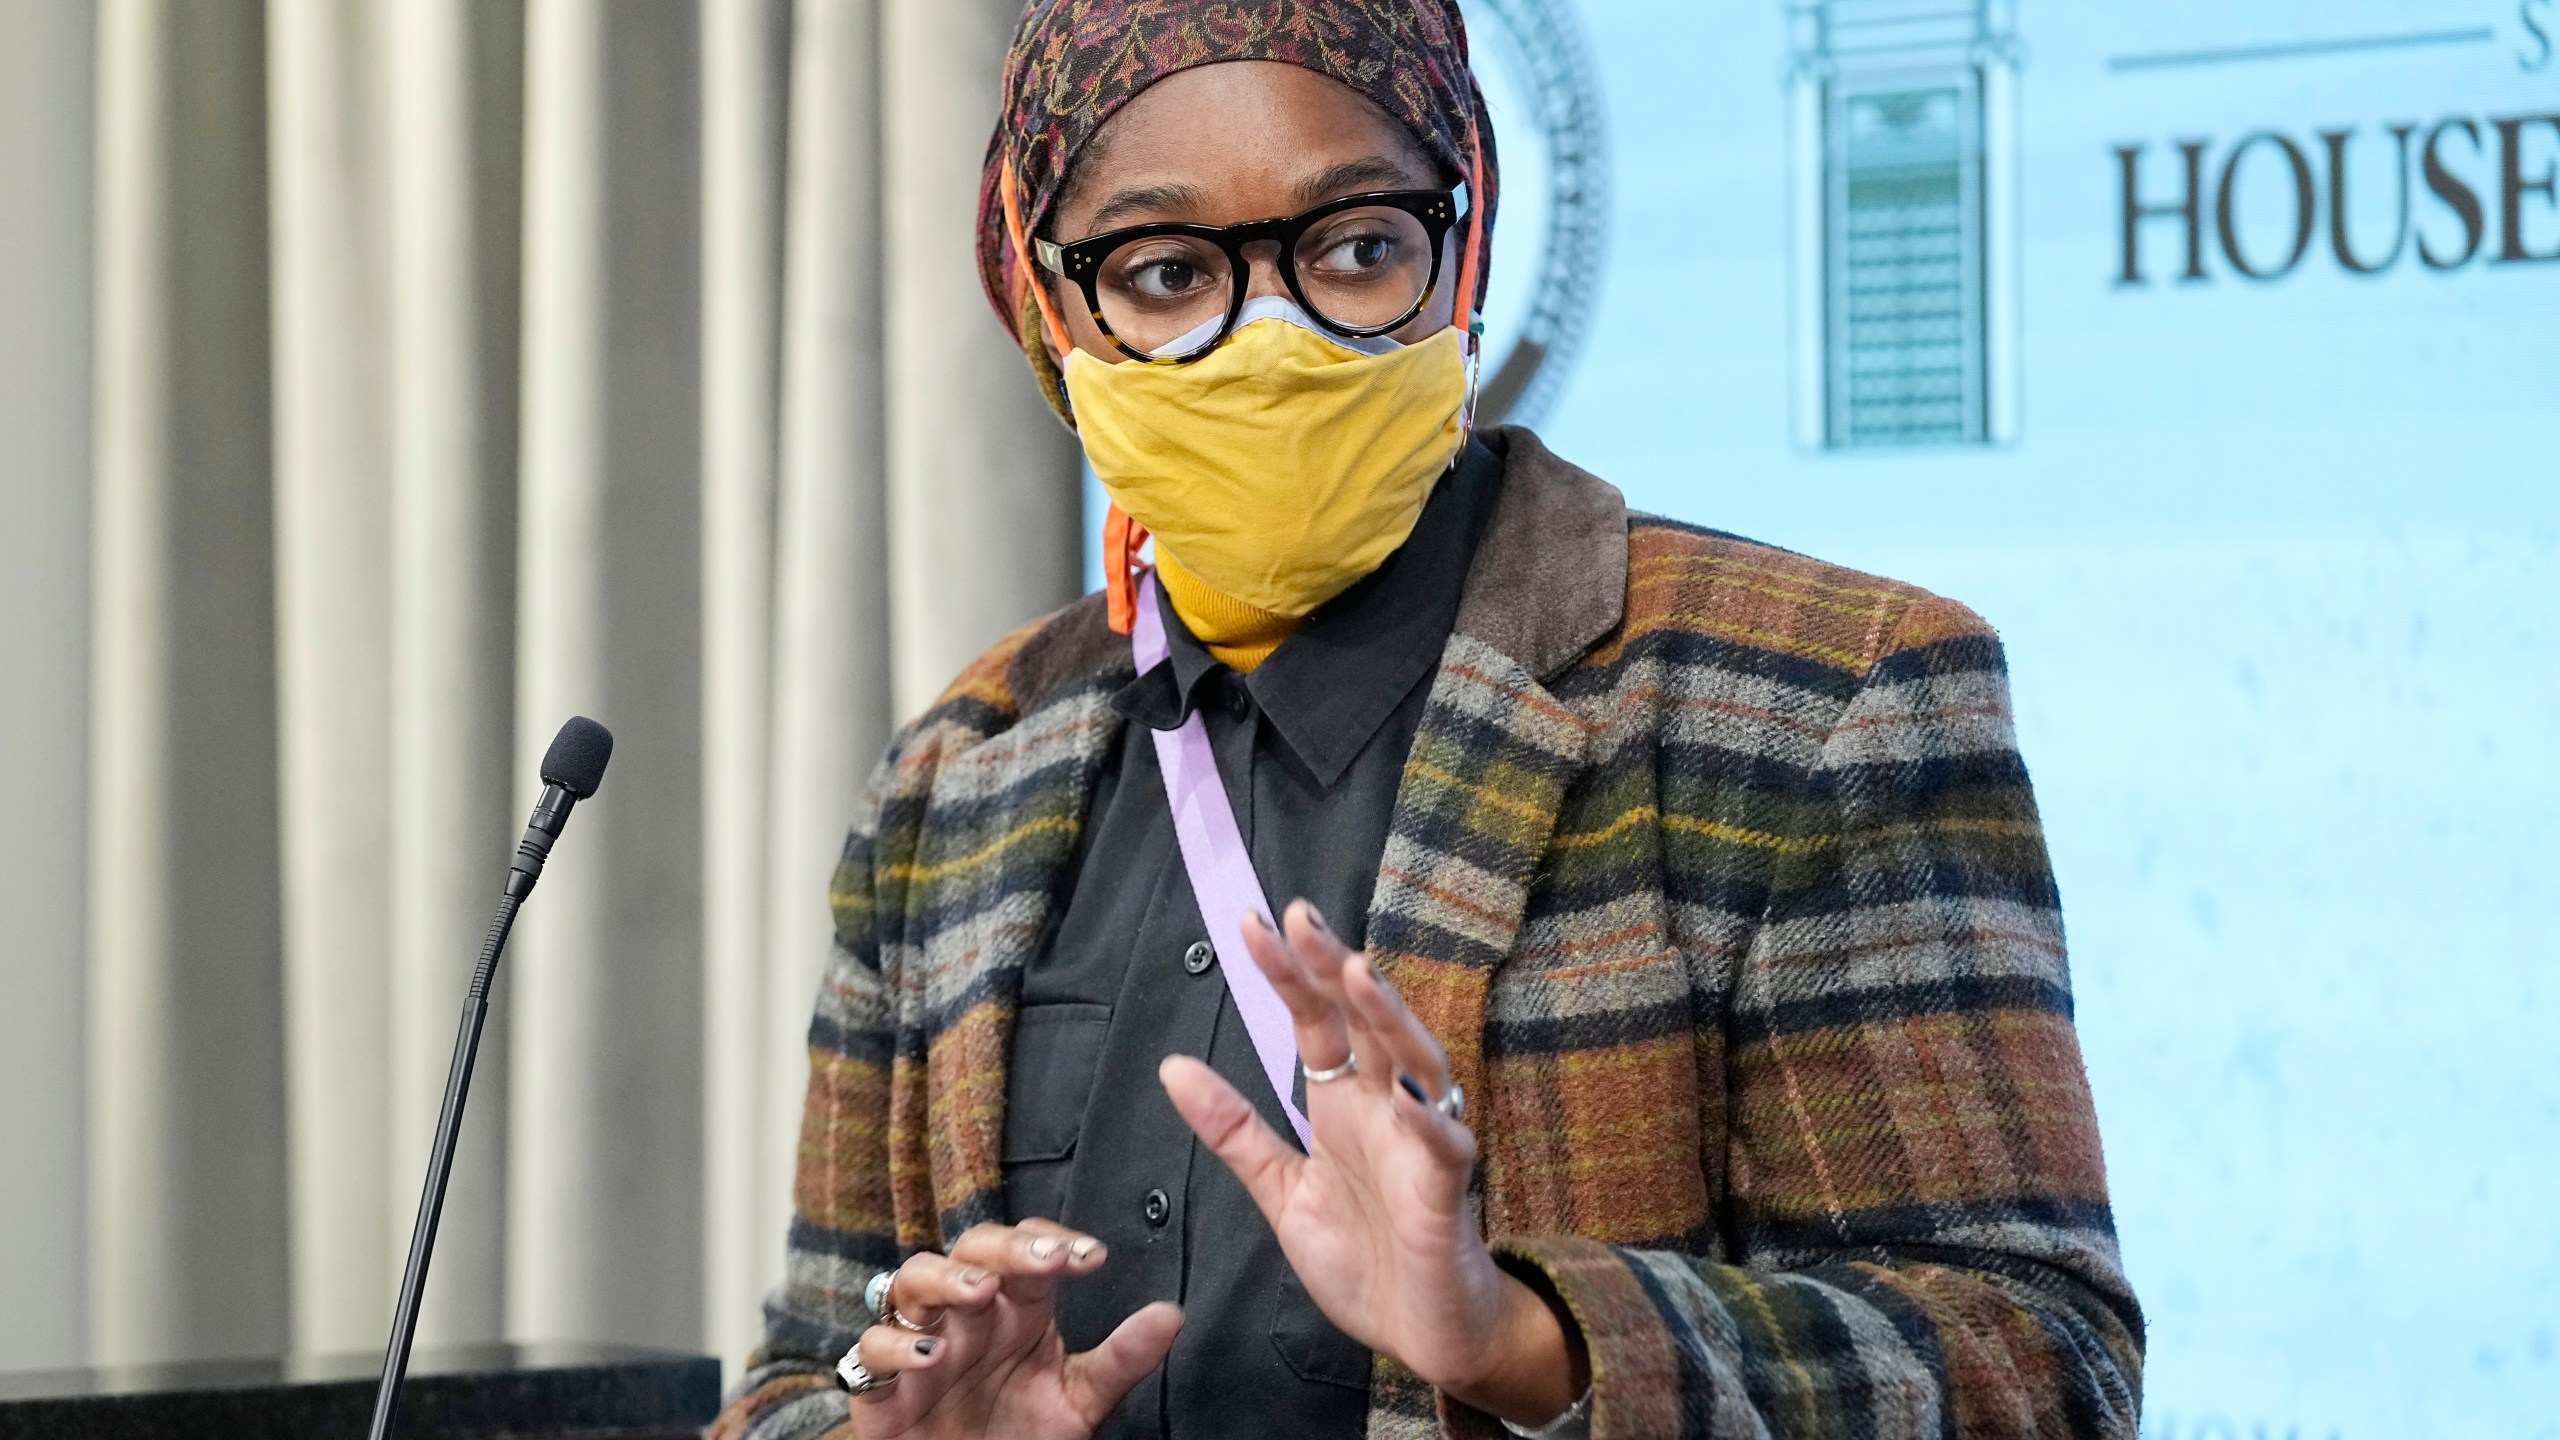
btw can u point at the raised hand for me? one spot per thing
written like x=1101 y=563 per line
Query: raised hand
x=1375 y=1219
x=988 y=1361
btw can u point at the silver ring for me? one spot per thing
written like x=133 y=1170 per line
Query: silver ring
x=1347 y=1067
x=1454 y=1103
x=875 y=1298
x=857 y=1378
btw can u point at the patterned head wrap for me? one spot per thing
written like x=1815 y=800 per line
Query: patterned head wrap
x=1074 y=63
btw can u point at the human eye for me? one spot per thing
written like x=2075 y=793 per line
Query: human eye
x=1358 y=252
x=1159 y=273
x=1364 y=247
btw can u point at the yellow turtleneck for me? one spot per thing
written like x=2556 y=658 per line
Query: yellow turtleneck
x=1240 y=635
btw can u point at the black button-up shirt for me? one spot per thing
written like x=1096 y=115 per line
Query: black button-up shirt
x=1311 y=746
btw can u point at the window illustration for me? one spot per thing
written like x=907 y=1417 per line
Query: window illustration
x=1905 y=285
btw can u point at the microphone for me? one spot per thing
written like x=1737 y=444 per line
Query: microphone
x=571 y=770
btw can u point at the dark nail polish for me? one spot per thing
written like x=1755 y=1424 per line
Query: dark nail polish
x=927 y=1346
x=1316 y=918
x=1413 y=1088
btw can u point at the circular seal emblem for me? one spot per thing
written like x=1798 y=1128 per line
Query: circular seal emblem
x=1544 y=91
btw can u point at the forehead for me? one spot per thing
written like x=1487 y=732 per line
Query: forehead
x=1238 y=126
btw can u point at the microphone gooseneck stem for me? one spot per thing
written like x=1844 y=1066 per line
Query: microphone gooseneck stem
x=549 y=815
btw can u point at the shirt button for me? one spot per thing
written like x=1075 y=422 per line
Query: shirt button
x=1239 y=703
x=1199 y=957
x=1158 y=1208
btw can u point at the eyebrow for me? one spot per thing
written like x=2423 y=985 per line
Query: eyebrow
x=1146 y=198
x=1369 y=172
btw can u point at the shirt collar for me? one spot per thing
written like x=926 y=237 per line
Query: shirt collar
x=1337 y=678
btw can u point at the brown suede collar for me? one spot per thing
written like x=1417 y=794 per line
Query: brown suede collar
x=1548 y=581
x=1550 y=575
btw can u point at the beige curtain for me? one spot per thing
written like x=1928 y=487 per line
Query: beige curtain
x=189 y=1236
x=48 y=78
x=460 y=365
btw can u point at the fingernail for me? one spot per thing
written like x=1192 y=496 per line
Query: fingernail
x=972 y=1277
x=1043 y=1248
x=1317 y=917
x=1413 y=1088
x=927 y=1346
x=1083 y=1248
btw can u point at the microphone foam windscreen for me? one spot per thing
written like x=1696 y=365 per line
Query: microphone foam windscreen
x=575 y=762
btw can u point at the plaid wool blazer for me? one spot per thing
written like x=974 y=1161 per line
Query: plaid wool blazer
x=1717 y=872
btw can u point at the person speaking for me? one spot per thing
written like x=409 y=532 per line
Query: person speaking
x=1434 y=953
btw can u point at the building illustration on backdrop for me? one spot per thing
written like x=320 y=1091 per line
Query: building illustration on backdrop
x=1903 y=216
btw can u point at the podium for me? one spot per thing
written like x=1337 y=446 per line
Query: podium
x=521 y=1392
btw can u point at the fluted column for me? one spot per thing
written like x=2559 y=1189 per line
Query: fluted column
x=2004 y=274
x=1810 y=415
x=453 y=72
x=745 y=47
x=186 y=1094
x=333 y=602
x=48 y=78
x=604 y=1145
x=984 y=501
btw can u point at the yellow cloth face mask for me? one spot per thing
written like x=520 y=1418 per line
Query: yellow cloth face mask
x=1285 y=464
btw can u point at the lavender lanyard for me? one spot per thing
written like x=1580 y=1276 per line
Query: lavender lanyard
x=1221 y=870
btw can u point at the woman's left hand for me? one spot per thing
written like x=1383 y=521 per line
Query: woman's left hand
x=1375 y=1221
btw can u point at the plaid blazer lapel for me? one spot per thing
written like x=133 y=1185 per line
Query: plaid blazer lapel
x=1491 y=763
x=1496 y=751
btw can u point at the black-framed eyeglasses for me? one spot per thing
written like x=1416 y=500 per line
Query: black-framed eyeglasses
x=1169 y=292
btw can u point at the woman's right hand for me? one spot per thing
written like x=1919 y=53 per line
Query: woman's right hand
x=992 y=1363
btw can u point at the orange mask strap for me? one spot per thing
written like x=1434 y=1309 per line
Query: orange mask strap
x=1121 y=537
x=1462 y=310
x=1022 y=272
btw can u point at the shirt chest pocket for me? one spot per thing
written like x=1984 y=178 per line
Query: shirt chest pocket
x=1056 y=1051
x=1309 y=1343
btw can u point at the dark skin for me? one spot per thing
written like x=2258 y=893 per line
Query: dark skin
x=1375 y=1220
x=1223 y=144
